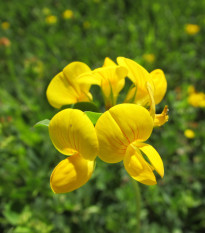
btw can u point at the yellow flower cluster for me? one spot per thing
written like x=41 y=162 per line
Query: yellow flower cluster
x=192 y=29
x=51 y=19
x=189 y=133
x=196 y=99
x=67 y=14
x=120 y=133
x=5 y=25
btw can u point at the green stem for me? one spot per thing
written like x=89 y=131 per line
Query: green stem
x=138 y=203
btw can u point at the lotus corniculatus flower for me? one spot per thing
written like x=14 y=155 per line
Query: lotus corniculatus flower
x=111 y=79
x=139 y=76
x=122 y=132
x=64 y=88
x=73 y=134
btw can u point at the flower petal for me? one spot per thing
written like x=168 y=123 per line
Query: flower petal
x=153 y=157
x=137 y=167
x=160 y=84
x=111 y=78
x=120 y=126
x=136 y=73
x=71 y=173
x=72 y=131
x=139 y=76
x=63 y=88
x=74 y=69
x=109 y=62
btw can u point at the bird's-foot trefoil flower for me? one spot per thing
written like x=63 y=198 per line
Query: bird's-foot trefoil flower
x=139 y=76
x=73 y=134
x=121 y=132
x=111 y=79
x=64 y=88
x=196 y=99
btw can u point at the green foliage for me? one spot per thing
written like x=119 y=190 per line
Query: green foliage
x=42 y=123
x=38 y=51
x=93 y=116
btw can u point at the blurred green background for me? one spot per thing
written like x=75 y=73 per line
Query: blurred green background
x=36 y=46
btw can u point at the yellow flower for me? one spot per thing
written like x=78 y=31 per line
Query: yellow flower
x=139 y=76
x=5 y=25
x=72 y=133
x=121 y=132
x=67 y=14
x=149 y=57
x=111 y=79
x=64 y=88
x=197 y=99
x=192 y=29
x=51 y=19
x=189 y=133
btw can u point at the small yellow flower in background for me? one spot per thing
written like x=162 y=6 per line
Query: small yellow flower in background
x=121 y=132
x=86 y=25
x=189 y=133
x=64 y=88
x=72 y=133
x=5 y=42
x=51 y=19
x=67 y=14
x=149 y=57
x=5 y=25
x=46 y=11
x=196 y=99
x=192 y=29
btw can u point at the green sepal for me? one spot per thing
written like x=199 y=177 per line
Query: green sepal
x=42 y=123
x=86 y=106
x=93 y=116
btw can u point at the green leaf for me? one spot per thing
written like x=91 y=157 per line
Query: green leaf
x=86 y=106
x=42 y=123
x=93 y=116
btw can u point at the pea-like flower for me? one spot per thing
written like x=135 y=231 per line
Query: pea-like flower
x=196 y=99
x=121 y=132
x=72 y=133
x=140 y=76
x=64 y=88
x=110 y=77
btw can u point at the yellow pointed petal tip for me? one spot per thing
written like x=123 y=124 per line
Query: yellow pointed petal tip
x=71 y=173
x=72 y=131
x=64 y=89
x=120 y=126
x=109 y=62
x=161 y=119
x=153 y=157
x=160 y=85
x=137 y=167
